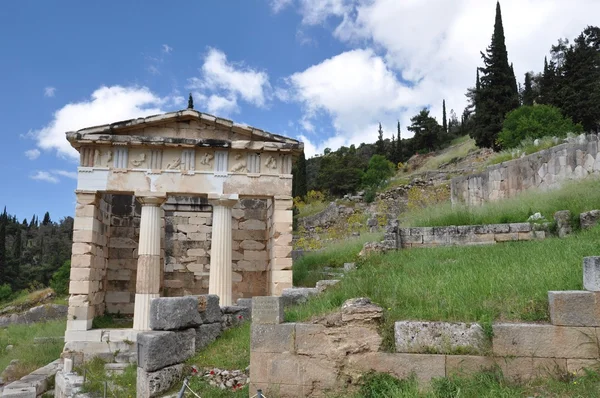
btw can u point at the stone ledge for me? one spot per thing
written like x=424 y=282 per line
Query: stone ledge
x=439 y=337
x=574 y=308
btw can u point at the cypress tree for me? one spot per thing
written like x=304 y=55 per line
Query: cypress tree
x=528 y=95
x=3 y=265
x=498 y=92
x=380 y=145
x=399 y=145
x=444 y=119
x=299 y=186
x=46 y=219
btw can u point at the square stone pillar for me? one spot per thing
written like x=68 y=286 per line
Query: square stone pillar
x=280 y=218
x=88 y=262
x=149 y=256
x=221 y=267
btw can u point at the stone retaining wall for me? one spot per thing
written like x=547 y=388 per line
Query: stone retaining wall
x=331 y=353
x=545 y=169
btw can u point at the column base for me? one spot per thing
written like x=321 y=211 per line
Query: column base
x=141 y=314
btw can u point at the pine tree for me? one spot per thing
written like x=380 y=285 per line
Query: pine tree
x=444 y=119
x=498 y=90
x=528 y=95
x=380 y=144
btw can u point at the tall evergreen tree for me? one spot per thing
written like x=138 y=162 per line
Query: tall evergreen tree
x=427 y=131
x=444 y=119
x=3 y=259
x=528 y=95
x=399 y=145
x=46 y=219
x=380 y=144
x=498 y=92
x=299 y=186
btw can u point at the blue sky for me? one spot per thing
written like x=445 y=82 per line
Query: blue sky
x=324 y=71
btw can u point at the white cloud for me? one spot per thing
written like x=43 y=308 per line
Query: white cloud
x=106 y=105
x=65 y=173
x=166 y=48
x=230 y=81
x=32 y=154
x=278 y=5
x=45 y=176
x=416 y=53
x=221 y=106
x=49 y=91
x=153 y=70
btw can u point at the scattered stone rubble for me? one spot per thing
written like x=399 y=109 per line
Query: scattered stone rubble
x=40 y=313
x=227 y=379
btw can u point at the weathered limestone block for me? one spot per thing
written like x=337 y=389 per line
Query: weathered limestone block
x=425 y=367
x=323 y=285
x=21 y=392
x=577 y=366
x=439 y=337
x=361 y=310
x=174 y=313
x=157 y=350
x=589 y=219
x=297 y=295
x=591 y=274
x=267 y=310
x=574 y=308
x=544 y=341
x=520 y=369
x=563 y=223
x=206 y=334
x=272 y=338
x=208 y=306
x=466 y=365
x=153 y=384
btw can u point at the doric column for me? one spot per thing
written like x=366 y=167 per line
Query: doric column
x=148 y=265
x=220 y=249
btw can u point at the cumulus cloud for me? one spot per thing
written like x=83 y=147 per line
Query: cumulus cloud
x=105 y=105
x=65 y=173
x=222 y=83
x=166 y=48
x=45 y=176
x=49 y=91
x=278 y=5
x=32 y=154
x=416 y=53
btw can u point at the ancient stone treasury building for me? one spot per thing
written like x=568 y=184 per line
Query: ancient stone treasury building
x=182 y=203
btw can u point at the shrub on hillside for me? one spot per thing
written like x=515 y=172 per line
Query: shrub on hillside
x=60 y=279
x=5 y=292
x=533 y=122
x=378 y=171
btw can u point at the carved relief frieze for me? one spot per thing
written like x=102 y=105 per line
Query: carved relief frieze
x=271 y=163
x=174 y=164
x=240 y=164
x=139 y=161
x=206 y=159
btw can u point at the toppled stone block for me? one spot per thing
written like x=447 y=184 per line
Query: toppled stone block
x=297 y=295
x=206 y=334
x=153 y=384
x=157 y=350
x=267 y=310
x=234 y=315
x=574 y=308
x=208 y=306
x=591 y=274
x=563 y=223
x=174 y=313
x=323 y=285
x=589 y=219
x=360 y=309
x=439 y=337
x=24 y=392
x=349 y=267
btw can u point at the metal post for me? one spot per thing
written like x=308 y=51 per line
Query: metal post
x=259 y=394
x=105 y=388
x=182 y=391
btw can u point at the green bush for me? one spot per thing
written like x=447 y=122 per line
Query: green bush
x=60 y=279
x=535 y=121
x=5 y=292
x=378 y=171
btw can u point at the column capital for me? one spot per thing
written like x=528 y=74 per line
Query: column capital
x=151 y=198
x=216 y=199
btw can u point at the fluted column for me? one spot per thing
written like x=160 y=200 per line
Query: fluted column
x=220 y=277
x=148 y=265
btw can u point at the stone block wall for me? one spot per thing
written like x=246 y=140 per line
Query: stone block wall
x=467 y=235
x=279 y=220
x=188 y=242
x=546 y=169
x=89 y=259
